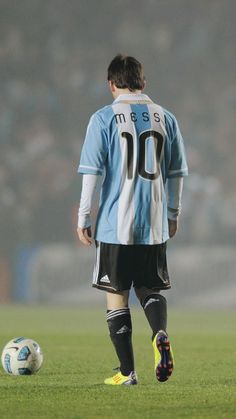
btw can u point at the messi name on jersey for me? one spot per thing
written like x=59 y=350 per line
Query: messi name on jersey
x=144 y=116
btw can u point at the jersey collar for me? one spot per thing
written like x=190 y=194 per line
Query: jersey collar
x=133 y=98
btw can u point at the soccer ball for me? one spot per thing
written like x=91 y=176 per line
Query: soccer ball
x=21 y=356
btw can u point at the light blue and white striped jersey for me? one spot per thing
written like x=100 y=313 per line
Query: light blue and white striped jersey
x=136 y=145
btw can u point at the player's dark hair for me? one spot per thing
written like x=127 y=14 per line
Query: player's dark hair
x=126 y=73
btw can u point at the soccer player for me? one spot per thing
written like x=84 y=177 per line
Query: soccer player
x=137 y=147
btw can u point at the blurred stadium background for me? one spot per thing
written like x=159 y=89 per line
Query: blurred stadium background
x=53 y=60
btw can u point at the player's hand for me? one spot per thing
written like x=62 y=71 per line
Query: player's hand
x=173 y=227
x=85 y=235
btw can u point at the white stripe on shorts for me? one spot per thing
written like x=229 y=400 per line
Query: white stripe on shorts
x=97 y=264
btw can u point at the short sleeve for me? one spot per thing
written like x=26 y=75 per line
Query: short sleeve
x=95 y=149
x=178 y=164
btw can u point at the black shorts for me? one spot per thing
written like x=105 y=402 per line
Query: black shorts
x=118 y=267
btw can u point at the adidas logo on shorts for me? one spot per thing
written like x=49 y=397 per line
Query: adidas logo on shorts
x=105 y=279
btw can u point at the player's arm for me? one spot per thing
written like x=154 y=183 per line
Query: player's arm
x=177 y=169
x=91 y=166
x=174 y=191
x=89 y=183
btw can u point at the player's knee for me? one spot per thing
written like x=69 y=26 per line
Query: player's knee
x=117 y=300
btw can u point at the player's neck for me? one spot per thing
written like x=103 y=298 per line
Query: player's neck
x=117 y=92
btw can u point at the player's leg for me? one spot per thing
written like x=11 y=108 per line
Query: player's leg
x=153 y=278
x=120 y=328
x=155 y=309
x=111 y=274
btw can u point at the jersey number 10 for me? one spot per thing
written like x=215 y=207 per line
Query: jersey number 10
x=158 y=144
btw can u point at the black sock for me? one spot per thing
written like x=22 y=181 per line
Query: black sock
x=155 y=309
x=120 y=327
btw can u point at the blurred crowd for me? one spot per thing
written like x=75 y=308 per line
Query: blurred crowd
x=52 y=68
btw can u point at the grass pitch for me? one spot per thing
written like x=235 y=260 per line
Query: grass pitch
x=78 y=355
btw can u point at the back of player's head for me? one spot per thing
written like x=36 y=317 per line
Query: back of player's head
x=126 y=73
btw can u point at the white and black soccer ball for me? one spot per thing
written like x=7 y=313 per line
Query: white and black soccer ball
x=22 y=356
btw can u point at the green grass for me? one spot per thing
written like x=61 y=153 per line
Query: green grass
x=78 y=356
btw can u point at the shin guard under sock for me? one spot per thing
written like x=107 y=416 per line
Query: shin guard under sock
x=155 y=309
x=120 y=327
